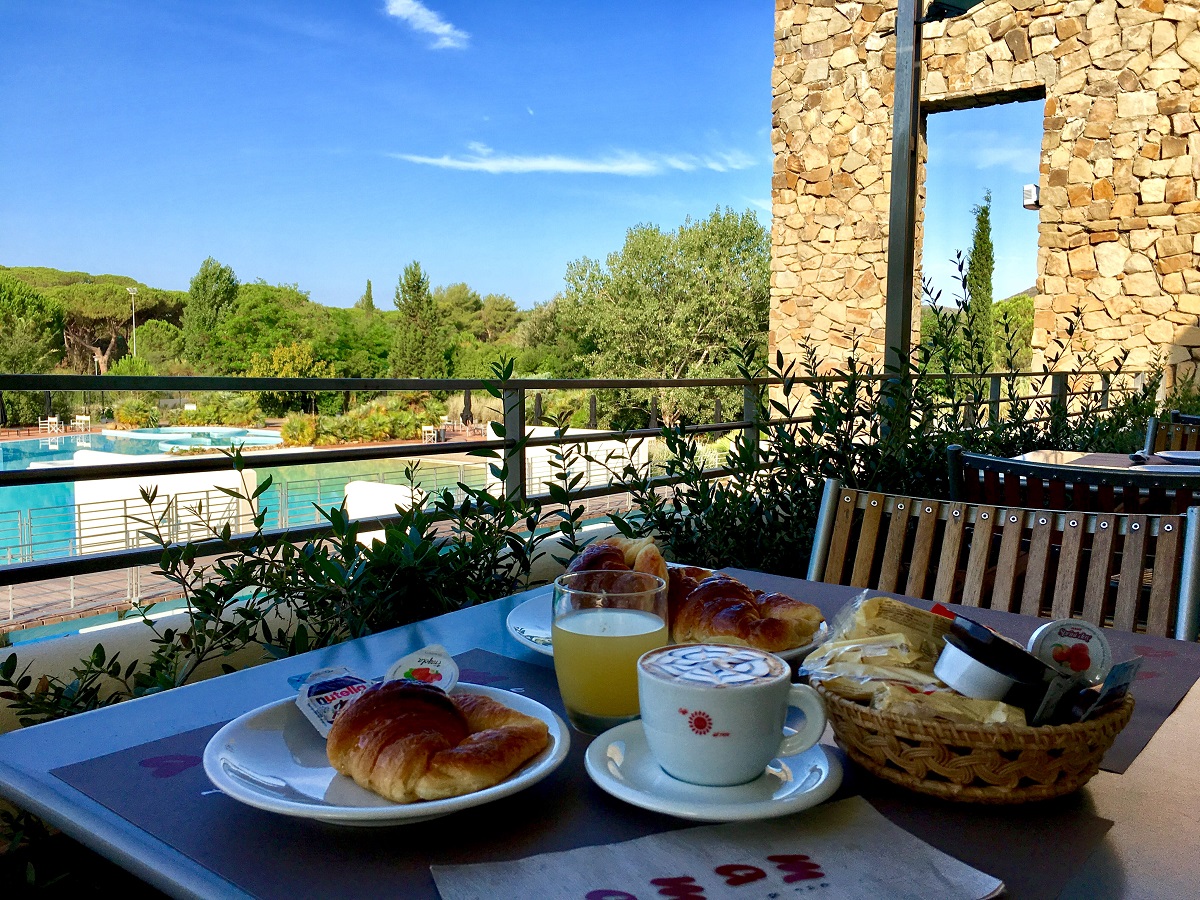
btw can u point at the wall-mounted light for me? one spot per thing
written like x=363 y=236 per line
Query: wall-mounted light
x=1031 y=197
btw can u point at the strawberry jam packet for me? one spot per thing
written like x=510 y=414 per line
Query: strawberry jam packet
x=1073 y=647
x=430 y=665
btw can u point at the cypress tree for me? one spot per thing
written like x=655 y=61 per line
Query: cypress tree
x=418 y=350
x=367 y=301
x=980 y=266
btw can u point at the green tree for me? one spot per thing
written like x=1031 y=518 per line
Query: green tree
x=213 y=289
x=161 y=344
x=676 y=304
x=98 y=317
x=419 y=347
x=551 y=340
x=261 y=318
x=980 y=266
x=367 y=301
x=32 y=327
x=292 y=360
x=458 y=306
x=498 y=317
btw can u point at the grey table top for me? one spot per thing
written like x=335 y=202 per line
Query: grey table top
x=1152 y=851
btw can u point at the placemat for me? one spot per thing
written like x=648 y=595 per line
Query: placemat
x=160 y=787
x=1170 y=668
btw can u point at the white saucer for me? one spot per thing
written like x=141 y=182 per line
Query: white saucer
x=1171 y=469
x=1179 y=457
x=620 y=763
x=529 y=623
x=273 y=759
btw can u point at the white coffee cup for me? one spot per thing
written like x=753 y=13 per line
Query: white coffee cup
x=714 y=714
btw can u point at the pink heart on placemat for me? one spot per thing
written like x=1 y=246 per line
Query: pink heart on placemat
x=1154 y=652
x=171 y=765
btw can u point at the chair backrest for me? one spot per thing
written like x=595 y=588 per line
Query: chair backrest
x=1128 y=571
x=978 y=478
x=1174 y=435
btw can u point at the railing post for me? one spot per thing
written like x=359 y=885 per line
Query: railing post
x=1105 y=390
x=994 y=399
x=514 y=434
x=537 y=408
x=653 y=412
x=750 y=417
x=592 y=410
x=717 y=417
x=1058 y=388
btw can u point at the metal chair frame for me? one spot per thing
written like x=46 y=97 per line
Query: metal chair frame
x=979 y=478
x=1131 y=571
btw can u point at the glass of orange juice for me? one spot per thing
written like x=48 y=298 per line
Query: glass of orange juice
x=603 y=622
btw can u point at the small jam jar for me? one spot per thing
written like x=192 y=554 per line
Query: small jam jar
x=979 y=663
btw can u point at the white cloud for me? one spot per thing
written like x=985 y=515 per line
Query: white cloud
x=484 y=159
x=987 y=150
x=421 y=18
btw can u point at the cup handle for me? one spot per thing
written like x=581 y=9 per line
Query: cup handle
x=810 y=703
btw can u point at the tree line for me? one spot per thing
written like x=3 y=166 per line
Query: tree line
x=669 y=304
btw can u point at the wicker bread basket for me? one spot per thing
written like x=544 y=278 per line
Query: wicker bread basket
x=974 y=763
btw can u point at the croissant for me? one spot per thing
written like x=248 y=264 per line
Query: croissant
x=721 y=609
x=623 y=554
x=409 y=741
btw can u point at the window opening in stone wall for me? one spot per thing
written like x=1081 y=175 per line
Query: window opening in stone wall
x=975 y=152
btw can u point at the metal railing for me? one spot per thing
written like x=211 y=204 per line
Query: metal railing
x=296 y=517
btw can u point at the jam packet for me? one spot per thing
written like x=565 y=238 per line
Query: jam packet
x=431 y=665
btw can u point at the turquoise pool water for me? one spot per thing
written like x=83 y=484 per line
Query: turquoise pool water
x=37 y=521
x=62 y=447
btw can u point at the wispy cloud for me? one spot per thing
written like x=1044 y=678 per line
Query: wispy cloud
x=984 y=149
x=483 y=159
x=421 y=18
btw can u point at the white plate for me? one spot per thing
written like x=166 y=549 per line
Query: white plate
x=620 y=763
x=273 y=759
x=1174 y=469
x=529 y=623
x=1179 y=457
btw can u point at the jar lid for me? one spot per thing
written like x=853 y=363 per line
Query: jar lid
x=996 y=651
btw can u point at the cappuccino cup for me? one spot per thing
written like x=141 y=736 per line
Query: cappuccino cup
x=714 y=714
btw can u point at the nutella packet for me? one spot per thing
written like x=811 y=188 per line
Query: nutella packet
x=431 y=665
x=324 y=693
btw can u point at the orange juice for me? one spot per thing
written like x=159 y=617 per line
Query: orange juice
x=595 y=657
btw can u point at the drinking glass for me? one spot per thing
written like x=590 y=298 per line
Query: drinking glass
x=603 y=621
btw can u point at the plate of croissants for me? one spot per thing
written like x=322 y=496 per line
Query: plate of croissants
x=704 y=606
x=400 y=752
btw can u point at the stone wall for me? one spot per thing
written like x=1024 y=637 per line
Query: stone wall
x=1119 y=230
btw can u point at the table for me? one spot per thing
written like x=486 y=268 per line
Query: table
x=1082 y=458
x=1151 y=851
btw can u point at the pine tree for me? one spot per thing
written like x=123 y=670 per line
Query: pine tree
x=367 y=301
x=980 y=266
x=419 y=348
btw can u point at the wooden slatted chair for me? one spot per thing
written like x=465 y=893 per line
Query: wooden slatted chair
x=1134 y=572
x=978 y=478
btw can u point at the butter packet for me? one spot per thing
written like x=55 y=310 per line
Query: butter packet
x=325 y=691
x=947 y=705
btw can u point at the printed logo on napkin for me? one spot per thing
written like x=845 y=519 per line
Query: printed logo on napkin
x=432 y=665
x=325 y=692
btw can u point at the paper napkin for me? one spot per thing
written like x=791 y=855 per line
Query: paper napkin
x=839 y=850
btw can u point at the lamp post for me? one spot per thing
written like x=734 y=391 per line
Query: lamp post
x=906 y=126
x=133 y=308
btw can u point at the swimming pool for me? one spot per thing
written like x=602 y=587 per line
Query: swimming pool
x=55 y=448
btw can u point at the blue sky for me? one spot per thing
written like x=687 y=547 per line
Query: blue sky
x=325 y=143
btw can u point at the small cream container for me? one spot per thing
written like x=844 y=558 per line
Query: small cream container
x=969 y=676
